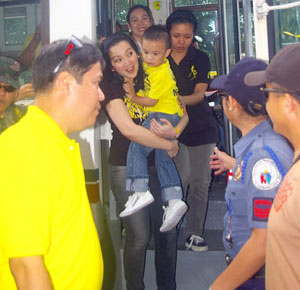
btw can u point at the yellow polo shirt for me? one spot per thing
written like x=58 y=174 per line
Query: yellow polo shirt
x=44 y=209
x=160 y=84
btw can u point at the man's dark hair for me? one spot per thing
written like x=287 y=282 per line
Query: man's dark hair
x=181 y=16
x=52 y=60
x=157 y=33
x=112 y=76
x=135 y=7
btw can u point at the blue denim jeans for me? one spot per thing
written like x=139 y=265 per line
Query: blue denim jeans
x=137 y=166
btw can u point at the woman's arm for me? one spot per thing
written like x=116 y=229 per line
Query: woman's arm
x=197 y=96
x=121 y=118
x=221 y=161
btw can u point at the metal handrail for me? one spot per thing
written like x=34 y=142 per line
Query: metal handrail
x=263 y=8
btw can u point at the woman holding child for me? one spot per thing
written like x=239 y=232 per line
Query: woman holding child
x=123 y=64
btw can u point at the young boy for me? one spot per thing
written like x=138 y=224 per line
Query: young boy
x=160 y=95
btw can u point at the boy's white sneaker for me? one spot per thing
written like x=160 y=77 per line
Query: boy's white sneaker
x=136 y=201
x=172 y=215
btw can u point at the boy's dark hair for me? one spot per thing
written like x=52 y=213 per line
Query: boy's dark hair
x=181 y=16
x=158 y=33
x=112 y=76
x=135 y=7
x=52 y=60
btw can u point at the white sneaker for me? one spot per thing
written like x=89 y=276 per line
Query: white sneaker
x=196 y=243
x=173 y=214
x=136 y=202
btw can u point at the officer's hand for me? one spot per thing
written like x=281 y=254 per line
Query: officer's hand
x=221 y=161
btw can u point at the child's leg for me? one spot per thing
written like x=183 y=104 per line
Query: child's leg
x=171 y=190
x=137 y=177
x=170 y=184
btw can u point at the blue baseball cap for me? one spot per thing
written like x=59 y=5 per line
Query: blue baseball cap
x=234 y=85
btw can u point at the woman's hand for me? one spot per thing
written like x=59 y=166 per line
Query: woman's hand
x=181 y=102
x=221 y=161
x=165 y=130
x=129 y=89
x=174 y=151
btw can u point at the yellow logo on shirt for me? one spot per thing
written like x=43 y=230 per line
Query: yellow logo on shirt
x=193 y=73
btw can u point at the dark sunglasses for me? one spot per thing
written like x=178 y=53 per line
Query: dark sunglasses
x=266 y=92
x=73 y=44
x=8 y=89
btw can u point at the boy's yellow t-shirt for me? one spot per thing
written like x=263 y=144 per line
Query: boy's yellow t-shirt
x=160 y=84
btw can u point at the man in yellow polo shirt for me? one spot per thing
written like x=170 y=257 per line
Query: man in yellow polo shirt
x=48 y=239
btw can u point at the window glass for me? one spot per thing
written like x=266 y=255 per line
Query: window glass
x=140 y=2
x=206 y=33
x=288 y=23
x=179 y=3
x=15 y=28
x=121 y=9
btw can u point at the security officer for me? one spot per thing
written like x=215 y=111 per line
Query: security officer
x=262 y=159
x=10 y=91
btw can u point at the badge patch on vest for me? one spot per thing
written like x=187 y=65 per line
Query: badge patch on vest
x=238 y=172
x=261 y=209
x=265 y=175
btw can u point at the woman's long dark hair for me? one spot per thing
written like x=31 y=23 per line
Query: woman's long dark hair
x=112 y=76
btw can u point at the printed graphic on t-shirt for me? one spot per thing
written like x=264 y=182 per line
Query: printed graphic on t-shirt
x=265 y=175
x=283 y=193
x=135 y=111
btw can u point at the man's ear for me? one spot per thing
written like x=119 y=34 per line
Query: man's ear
x=64 y=81
x=168 y=51
x=232 y=101
x=291 y=105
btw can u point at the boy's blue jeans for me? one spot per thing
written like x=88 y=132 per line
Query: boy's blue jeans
x=137 y=167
